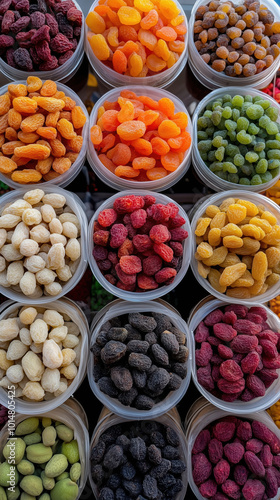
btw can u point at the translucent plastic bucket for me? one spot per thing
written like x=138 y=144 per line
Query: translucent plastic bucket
x=114 y=79
x=62 y=73
x=64 y=179
x=208 y=177
x=137 y=296
x=213 y=79
x=108 y=177
x=76 y=205
x=118 y=309
x=217 y=199
x=257 y=404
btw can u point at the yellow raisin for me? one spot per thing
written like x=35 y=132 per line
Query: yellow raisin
x=232 y=273
x=259 y=266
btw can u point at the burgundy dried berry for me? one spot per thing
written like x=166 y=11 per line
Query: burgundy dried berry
x=254 y=445
x=214 y=317
x=254 y=464
x=6 y=41
x=215 y=450
x=118 y=234
x=204 y=377
x=52 y=23
x=201 y=442
x=49 y=65
x=60 y=44
x=7 y=21
x=22 y=59
x=250 y=363
x=240 y=474
x=43 y=51
x=234 y=452
x=4 y=6
x=224 y=431
x=244 y=343
x=225 y=352
x=224 y=332
x=75 y=16
x=208 y=489
x=244 y=431
x=20 y=25
x=255 y=385
x=231 y=371
x=221 y=471
x=202 y=469
x=204 y=354
x=247 y=327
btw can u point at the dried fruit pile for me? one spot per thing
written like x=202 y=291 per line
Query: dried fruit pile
x=40 y=131
x=140 y=359
x=41 y=36
x=240 y=40
x=138 y=244
x=274 y=91
x=42 y=441
x=237 y=248
x=274 y=412
x=139 y=138
x=237 y=353
x=137 y=37
x=239 y=139
x=138 y=459
x=41 y=357
x=236 y=458
x=39 y=246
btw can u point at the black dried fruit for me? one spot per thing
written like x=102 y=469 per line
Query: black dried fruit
x=106 y=385
x=170 y=453
x=139 y=346
x=154 y=454
x=138 y=448
x=174 y=382
x=122 y=378
x=158 y=380
x=182 y=355
x=127 y=398
x=177 y=466
x=174 y=489
x=172 y=437
x=128 y=471
x=144 y=402
x=120 y=494
x=160 y=355
x=141 y=322
x=123 y=441
x=134 y=488
x=97 y=452
x=151 y=338
x=22 y=59
x=97 y=474
x=113 y=351
x=169 y=342
x=139 y=378
x=180 y=369
x=113 y=457
x=158 y=439
x=102 y=339
x=150 y=487
x=163 y=323
x=133 y=334
x=114 y=481
x=161 y=469
x=180 y=336
x=166 y=481
x=139 y=361
x=117 y=333
x=106 y=494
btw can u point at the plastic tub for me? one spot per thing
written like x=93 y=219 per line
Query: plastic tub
x=152 y=294
x=213 y=79
x=64 y=179
x=257 y=404
x=62 y=73
x=118 y=183
x=170 y=419
x=63 y=306
x=67 y=416
x=205 y=174
x=76 y=205
x=114 y=79
x=202 y=416
x=217 y=199
x=118 y=309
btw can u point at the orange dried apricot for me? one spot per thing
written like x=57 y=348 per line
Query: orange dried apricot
x=131 y=130
x=168 y=129
x=143 y=162
x=96 y=135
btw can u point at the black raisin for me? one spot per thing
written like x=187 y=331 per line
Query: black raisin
x=160 y=355
x=128 y=471
x=134 y=488
x=113 y=351
x=139 y=346
x=170 y=453
x=106 y=385
x=143 y=323
x=106 y=494
x=144 y=402
x=97 y=452
x=150 y=487
x=113 y=457
x=169 y=342
x=122 y=378
x=127 y=398
x=139 y=378
x=177 y=466
x=154 y=454
x=117 y=333
x=161 y=469
x=158 y=380
x=138 y=448
x=139 y=361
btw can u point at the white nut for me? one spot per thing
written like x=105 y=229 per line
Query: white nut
x=32 y=366
x=39 y=331
x=53 y=318
x=73 y=249
x=4 y=362
x=33 y=391
x=18 y=392
x=55 y=200
x=34 y=196
x=40 y=234
x=58 y=238
x=8 y=221
x=16 y=350
x=69 y=217
x=3 y=279
x=69 y=230
x=62 y=388
x=69 y=371
x=9 y=329
x=38 y=292
x=28 y=283
x=55 y=226
x=37 y=348
x=15 y=373
x=43 y=256
x=53 y=289
x=48 y=213
x=70 y=341
x=6 y=382
x=31 y=216
x=15 y=272
x=10 y=253
x=2 y=263
x=69 y=356
x=73 y=329
x=34 y=263
x=18 y=207
x=58 y=334
x=25 y=336
x=27 y=315
x=21 y=233
x=56 y=257
x=28 y=247
x=52 y=357
x=64 y=273
x=3 y=237
x=45 y=277
x=50 y=380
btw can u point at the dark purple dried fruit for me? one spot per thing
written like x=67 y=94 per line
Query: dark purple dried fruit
x=139 y=361
x=122 y=378
x=150 y=487
x=139 y=346
x=106 y=385
x=161 y=469
x=6 y=41
x=169 y=342
x=20 y=25
x=37 y=19
x=41 y=34
x=97 y=452
x=144 y=402
x=117 y=333
x=7 y=21
x=154 y=454
x=113 y=457
x=172 y=437
x=61 y=44
x=160 y=355
x=22 y=59
x=113 y=351
x=158 y=380
x=143 y=323
x=127 y=398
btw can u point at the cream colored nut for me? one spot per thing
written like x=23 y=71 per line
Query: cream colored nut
x=51 y=380
x=33 y=391
x=70 y=217
x=34 y=263
x=52 y=357
x=55 y=200
x=27 y=315
x=58 y=238
x=40 y=234
x=18 y=392
x=4 y=362
x=43 y=256
x=48 y=213
x=53 y=289
x=31 y=216
x=55 y=226
x=16 y=350
x=69 y=230
x=24 y=381
x=9 y=329
x=73 y=329
x=34 y=196
x=69 y=371
x=21 y=233
x=64 y=273
x=70 y=341
x=5 y=208
x=28 y=248
x=3 y=237
x=9 y=221
x=37 y=348
x=10 y=253
x=6 y=382
x=15 y=272
x=38 y=292
x=65 y=317
x=25 y=336
x=28 y=283
x=73 y=266
x=53 y=318
x=15 y=373
x=78 y=350
x=58 y=334
x=56 y=256
x=18 y=207
x=2 y=263
x=69 y=356
x=4 y=345
x=45 y=277
x=62 y=388
x=39 y=331
x=32 y=366
x=3 y=279
x=73 y=249
x=9 y=236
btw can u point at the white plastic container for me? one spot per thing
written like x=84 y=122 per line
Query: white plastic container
x=62 y=73
x=152 y=294
x=208 y=177
x=238 y=406
x=118 y=309
x=213 y=79
x=118 y=183
x=64 y=179
x=77 y=206
x=67 y=416
x=204 y=415
x=170 y=419
x=217 y=199
x=63 y=306
x=114 y=79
